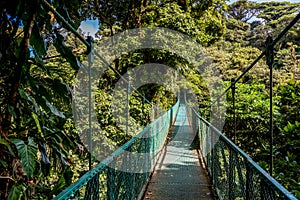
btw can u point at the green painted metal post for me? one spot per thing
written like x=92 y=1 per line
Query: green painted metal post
x=201 y=136
x=249 y=182
x=90 y=40
x=127 y=106
x=209 y=155
x=130 y=175
x=212 y=156
x=148 y=150
x=233 y=109
x=92 y=188
x=231 y=179
x=231 y=184
x=143 y=112
x=111 y=184
x=171 y=117
x=270 y=62
x=218 y=113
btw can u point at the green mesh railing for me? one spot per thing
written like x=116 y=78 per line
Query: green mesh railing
x=105 y=182
x=233 y=173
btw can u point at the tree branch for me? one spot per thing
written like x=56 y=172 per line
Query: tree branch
x=12 y=99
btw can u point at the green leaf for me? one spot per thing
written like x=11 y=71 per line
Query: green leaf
x=3 y=163
x=64 y=181
x=54 y=110
x=286 y=129
x=59 y=185
x=12 y=112
x=45 y=164
x=27 y=97
x=61 y=89
x=27 y=154
x=38 y=41
x=5 y=143
x=37 y=122
x=65 y=51
x=16 y=192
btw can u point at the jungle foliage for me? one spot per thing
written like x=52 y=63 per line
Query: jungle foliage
x=249 y=24
x=41 y=152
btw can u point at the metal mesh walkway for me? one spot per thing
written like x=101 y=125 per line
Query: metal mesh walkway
x=178 y=173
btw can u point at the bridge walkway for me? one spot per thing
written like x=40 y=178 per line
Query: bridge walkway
x=179 y=173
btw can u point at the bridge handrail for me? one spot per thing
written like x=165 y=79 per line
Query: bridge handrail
x=278 y=192
x=88 y=179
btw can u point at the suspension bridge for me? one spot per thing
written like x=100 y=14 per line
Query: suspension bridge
x=187 y=157
x=181 y=169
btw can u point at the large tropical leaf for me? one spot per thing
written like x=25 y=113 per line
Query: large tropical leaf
x=16 y=192
x=38 y=41
x=27 y=154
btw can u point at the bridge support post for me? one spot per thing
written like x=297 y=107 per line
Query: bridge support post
x=127 y=106
x=143 y=112
x=270 y=62
x=171 y=117
x=211 y=157
x=130 y=175
x=231 y=180
x=233 y=109
x=92 y=188
x=249 y=182
x=214 y=158
x=201 y=146
x=90 y=40
x=111 y=184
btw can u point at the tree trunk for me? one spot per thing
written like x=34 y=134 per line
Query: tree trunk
x=12 y=98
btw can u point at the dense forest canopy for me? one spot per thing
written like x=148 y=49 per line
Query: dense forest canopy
x=40 y=150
